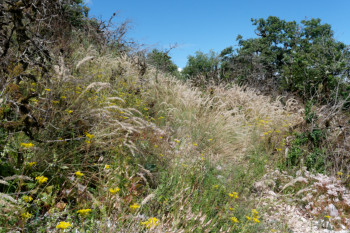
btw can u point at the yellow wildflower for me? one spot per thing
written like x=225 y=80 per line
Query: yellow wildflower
x=210 y=139
x=176 y=140
x=248 y=218
x=256 y=220
x=340 y=173
x=255 y=212
x=55 y=102
x=69 y=111
x=195 y=144
x=27 y=198
x=48 y=89
x=233 y=195
x=84 y=212
x=31 y=164
x=155 y=146
x=41 y=179
x=327 y=216
x=234 y=219
x=106 y=166
x=150 y=223
x=26 y=215
x=63 y=97
x=89 y=135
x=27 y=145
x=216 y=186
x=79 y=174
x=114 y=191
x=161 y=117
x=63 y=225
x=161 y=155
x=134 y=206
x=146 y=109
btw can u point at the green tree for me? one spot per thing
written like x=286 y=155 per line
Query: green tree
x=162 y=61
x=205 y=65
x=305 y=58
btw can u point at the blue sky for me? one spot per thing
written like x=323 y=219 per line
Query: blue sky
x=203 y=25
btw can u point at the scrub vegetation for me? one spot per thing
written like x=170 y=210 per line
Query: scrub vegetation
x=99 y=136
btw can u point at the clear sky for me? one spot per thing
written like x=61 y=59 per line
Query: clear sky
x=203 y=25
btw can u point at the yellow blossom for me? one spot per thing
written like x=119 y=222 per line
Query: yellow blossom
x=155 y=146
x=26 y=215
x=41 y=179
x=233 y=195
x=27 y=145
x=134 y=206
x=216 y=186
x=31 y=164
x=340 y=173
x=150 y=223
x=255 y=212
x=114 y=191
x=327 y=216
x=63 y=97
x=195 y=144
x=234 y=219
x=146 y=109
x=106 y=166
x=256 y=220
x=210 y=139
x=176 y=140
x=79 y=174
x=48 y=89
x=161 y=117
x=89 y=135
x=248 y=218
x=69 y=111
x=27 y=199
x=84 y=212
x=55 y=102
x=63 y=225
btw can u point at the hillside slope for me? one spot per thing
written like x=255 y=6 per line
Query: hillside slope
x=121 y=150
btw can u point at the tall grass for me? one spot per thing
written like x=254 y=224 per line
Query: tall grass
x=172 y=151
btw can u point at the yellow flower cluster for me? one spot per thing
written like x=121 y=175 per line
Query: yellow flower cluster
x=27 y=199
x=234 y=219
x=233 y=195
x=26 y=215
x=254 y=216
x=134 y=206
x=90 y=136
x=84 y=212
x=79 y=174
x=41 y=179
x=151 y=223
x=63 y=225
x=114 y=191
x=31 y=164
x=27 y=145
